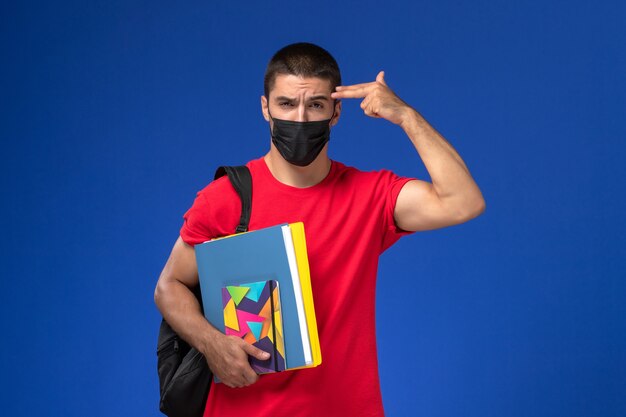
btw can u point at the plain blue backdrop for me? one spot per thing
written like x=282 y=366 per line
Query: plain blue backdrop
x=115 y=113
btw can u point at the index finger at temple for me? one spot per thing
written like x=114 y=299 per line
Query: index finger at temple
x=358 y=93
x=353 y=86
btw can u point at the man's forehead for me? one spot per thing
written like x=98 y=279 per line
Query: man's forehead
x=293 y=85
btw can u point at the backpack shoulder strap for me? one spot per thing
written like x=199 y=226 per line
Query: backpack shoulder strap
x=241 y=180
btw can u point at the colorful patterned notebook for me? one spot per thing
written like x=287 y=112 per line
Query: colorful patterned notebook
x=252 y=311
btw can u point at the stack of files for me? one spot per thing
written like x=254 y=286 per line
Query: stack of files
x=257 y=285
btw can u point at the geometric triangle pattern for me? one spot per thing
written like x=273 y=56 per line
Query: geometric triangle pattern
x=230 y=315
x=266 y=311
x=255 y=290
x=237 y=293
x=255 y=328
x=252 y=311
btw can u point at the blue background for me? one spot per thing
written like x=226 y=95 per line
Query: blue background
x=115 y=113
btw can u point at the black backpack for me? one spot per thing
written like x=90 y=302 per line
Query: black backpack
x=184 y=375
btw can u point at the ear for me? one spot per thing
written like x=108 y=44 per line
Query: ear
x=264 y=108
x=335 y=118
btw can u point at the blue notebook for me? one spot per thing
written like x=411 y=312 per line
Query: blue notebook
x=260 y=255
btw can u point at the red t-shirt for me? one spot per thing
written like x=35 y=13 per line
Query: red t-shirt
x=348 y=221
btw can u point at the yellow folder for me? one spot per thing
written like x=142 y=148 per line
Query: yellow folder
x=302 y=259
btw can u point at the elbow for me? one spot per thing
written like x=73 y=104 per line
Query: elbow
x=480 y=207
x=471 y=210
x=158 y=293
x=477 y=208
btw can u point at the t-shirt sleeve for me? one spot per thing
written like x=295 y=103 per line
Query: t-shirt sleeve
x=196 y=226
x=392 y=232
x=214 y=213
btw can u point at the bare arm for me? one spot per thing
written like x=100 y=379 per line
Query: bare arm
x=453 y=197
x=227 y=356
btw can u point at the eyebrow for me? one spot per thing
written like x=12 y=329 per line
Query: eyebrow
x=318 y=97
x=312 y=98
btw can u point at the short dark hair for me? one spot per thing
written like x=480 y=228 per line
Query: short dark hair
x=304 y=60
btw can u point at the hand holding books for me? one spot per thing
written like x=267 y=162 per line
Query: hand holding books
x=228 y=357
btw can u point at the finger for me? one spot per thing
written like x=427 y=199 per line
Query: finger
x=365 y=103
x=237 y=383
x=370 y=111
x=353 y=86
x=256 y=352
x=250 y=377
x=241 y=376
x=380 y=78
x=358 y=93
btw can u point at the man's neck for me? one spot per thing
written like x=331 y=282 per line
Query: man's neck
x=295 y=176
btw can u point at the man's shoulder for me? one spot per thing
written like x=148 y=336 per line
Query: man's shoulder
x=351 y=173
x=214 y=213
x=219 y=187
x=222 y=186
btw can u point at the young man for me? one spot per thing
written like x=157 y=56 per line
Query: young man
x=350 y=218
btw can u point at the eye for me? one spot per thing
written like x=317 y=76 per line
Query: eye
x=285 y=104
x=317 y=105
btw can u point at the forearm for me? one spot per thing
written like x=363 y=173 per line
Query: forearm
x=227 y=356
x=181 y=310
x=449 y=175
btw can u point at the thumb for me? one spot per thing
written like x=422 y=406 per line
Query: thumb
x=381 y=78
x=256 y=352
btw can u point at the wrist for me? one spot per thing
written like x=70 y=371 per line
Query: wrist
x=409 y=118
x=207 y=339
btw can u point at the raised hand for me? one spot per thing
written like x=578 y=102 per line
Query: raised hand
x=378 y=99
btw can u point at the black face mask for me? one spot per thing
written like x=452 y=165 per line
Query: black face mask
x=300 y=142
